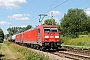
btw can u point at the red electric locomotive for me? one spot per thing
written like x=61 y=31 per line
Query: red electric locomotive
x=45 y=37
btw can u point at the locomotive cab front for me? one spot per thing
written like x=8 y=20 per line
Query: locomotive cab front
x=51 y=38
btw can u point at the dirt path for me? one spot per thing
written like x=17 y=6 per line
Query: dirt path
x=9 y=54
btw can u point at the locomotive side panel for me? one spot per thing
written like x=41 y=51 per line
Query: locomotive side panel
x=34 y=36
x=25 y=36
x=30 y=37
x=18 y=38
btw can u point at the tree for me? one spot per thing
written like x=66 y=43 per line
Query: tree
x=28 y=27
x=16 y=30
x=87 y=24
x=1 y=35
x=71 y=24
x=50 y=21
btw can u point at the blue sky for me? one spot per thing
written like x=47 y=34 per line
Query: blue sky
x=24 y=12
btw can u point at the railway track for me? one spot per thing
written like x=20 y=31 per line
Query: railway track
x=72 y=56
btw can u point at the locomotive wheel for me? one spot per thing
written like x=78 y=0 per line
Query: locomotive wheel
x=43 y=49
x=38 y=47
x=31 y=45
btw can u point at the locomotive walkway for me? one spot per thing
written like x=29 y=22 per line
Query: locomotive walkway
x=7 y=53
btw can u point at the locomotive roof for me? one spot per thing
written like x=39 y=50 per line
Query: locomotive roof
x=43 y=25
x=47 y=26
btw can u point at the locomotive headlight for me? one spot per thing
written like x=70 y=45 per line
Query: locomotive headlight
x=56 y=36
x=46 y=37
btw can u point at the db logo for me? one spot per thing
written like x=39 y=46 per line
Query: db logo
x=51 y=37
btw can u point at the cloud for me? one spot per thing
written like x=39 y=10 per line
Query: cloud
x=10 y=4
x=4 y=23
x=20 y=17
x=54 y=13
x=87 y=11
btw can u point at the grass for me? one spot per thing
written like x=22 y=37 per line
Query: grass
x=63 y=39
x=81 y=41
x=28 y=54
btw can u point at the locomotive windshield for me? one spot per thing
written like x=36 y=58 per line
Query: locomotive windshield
x=53 y=29
x=46 y=29
x=50 y=30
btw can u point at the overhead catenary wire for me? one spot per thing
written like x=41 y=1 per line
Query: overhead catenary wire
x=50 y=4
x=47 y=7
x=57 y=5
x=54 y=7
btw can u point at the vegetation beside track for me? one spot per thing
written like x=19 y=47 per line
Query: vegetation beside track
x=28 y=54
x=81 y=41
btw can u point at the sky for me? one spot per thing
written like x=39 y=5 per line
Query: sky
x=14 y=13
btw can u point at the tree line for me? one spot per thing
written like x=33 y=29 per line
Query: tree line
x=16 y=30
